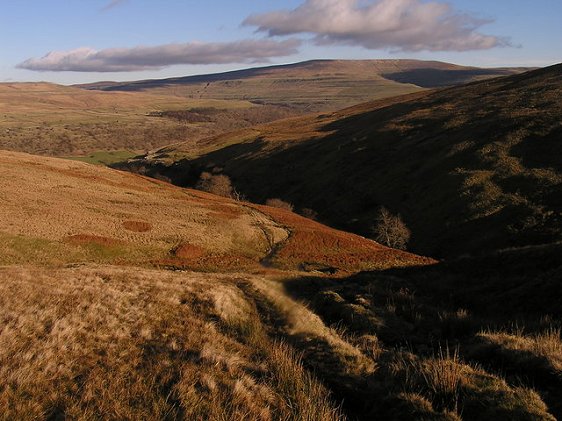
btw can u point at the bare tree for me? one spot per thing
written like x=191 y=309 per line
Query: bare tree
x=390 y=230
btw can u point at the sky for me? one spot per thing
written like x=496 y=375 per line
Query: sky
x=80 y=41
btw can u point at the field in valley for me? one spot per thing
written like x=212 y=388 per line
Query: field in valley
x=55 y=120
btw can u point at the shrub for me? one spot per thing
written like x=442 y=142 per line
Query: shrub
x=309 y=213
x=218 y=184
x=278 y=203
x=390 y=230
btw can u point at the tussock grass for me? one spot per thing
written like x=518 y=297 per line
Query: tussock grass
x=118 y=343
x=439 y=379
x=544 y=346
x=457 y=389
x=433 y=360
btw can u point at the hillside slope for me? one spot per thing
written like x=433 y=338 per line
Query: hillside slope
x=317 y=85
x=57 y=211
x=123 y=297
x=471 y=168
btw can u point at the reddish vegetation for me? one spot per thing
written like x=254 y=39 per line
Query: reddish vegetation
x=226 y=211
x=209 y=262
x=188 y=251
x=314 y=243
x=137 y=226
x=85 y=239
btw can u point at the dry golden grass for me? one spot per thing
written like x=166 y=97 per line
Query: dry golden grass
x=59 y=204
x=459 y=391
x=545 y=347
x=58 y=211
x=123 y=343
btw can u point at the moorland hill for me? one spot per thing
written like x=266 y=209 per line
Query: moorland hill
x=124 y=297
x=315 y=85
x=471 y=169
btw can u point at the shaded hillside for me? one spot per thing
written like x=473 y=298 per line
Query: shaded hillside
x=437 y=330
x=470 y=168
x=314 y=85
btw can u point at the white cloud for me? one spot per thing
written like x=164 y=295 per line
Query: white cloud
x=402 y=25
x=157 y=57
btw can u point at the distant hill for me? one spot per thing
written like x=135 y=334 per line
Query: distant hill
x=470 y=169
x=314 y=85
x=55 y=120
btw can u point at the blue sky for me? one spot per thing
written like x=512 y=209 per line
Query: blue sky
x=91 y=40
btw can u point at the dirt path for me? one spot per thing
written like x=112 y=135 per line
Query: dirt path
x=275 y=234
x=338 y=364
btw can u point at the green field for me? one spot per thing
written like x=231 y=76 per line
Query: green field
x=105 y=157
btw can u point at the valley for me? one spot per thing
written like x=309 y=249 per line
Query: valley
x=471 y=169
x=203 y=248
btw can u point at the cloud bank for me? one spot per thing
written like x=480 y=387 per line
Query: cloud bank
x=400 y=25
x=158 y=57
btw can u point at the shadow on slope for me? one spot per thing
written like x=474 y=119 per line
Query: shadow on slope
x=475 y=337
x=471 y=169
x=434 y=78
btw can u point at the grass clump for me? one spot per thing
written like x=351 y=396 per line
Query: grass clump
x=537 y=354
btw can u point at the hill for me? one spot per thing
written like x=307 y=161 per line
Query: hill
x=59 y=211
x=123 y=297
x=55 y=120
x=470 y=169
x=105 y=127
x=317 y=85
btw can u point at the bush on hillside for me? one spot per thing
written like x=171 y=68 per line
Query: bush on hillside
x=218 y=184
x=278 y=203
x=309 y=213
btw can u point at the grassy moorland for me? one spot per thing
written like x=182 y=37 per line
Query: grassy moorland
x=59 y=211
x=123 y=297
x=317 y=85
x=471 y=169
x=48 y=119
x=128 y=298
